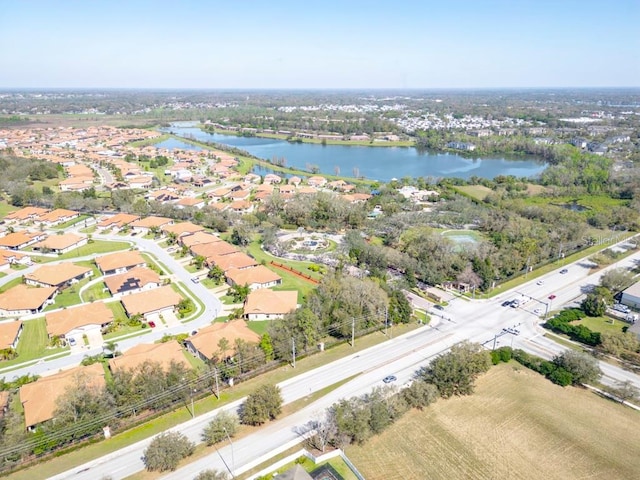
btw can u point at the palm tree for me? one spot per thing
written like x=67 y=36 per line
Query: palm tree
x=223 y=345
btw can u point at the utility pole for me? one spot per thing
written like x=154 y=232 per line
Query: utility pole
x=233 y=456
x=495 y=338
x=293 y=351
x=353 y=332
x=386 y=319
x=215 y=370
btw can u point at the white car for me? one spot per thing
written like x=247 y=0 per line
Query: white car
x=539 y=282
x=538 y=311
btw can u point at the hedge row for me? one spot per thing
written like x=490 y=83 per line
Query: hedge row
x=562 y=323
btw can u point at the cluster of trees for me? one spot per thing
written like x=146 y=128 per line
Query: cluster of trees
x=570 y=368
x=562 y=323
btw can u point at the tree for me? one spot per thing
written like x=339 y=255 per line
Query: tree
x=595 y=303
x=239 y=292
x=166 y=450
x=240 y=236
x=211 y=475
x=223 y=424
x=262 y=405
x=223 y=345
x=454 y=372
x=616 y=279
x=420 y=394
x=216 y=274
x=582 y=366
x=399 y=308
x=266 y=346
x=617 y=343
x=199 y=261
x=626 y=391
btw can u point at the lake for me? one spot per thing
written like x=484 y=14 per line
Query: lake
x=375 y=163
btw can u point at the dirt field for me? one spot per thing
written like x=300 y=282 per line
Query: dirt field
x=517 y=425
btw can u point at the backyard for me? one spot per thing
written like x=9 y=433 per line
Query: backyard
x=33 y=343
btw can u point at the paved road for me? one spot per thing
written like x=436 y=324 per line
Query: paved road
x=480 y=321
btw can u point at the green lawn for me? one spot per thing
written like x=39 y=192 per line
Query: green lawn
x=479 y=192
x=71 y=222
x=33 y=343
x=97 y=291
x=2 y=274
x=6 y=208
x=119 y=315
x=602 y=324
x=94 y=248
x=260 y=327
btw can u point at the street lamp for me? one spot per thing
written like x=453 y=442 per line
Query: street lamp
x=233 y=459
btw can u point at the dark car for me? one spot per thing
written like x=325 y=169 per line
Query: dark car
x=507 y=303
x=552 y=296
x=563 y=271
x=389 y=379
x=438 y=307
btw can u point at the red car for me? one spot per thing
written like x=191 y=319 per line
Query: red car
x=552 y=296
x=152 y=324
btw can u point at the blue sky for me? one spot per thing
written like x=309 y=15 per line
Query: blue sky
x=319 y=44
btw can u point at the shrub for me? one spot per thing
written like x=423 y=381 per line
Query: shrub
x=166 y=450
x=223 y=424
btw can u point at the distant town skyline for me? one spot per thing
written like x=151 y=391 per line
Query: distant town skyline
x=319 y=45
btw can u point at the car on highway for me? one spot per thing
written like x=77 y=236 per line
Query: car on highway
x=551 y=297
x=538 y=311
x=438 y=307
x=563 y=271
x=389 y=379
x=539 y=282
x=506 y=303
x=195 y=279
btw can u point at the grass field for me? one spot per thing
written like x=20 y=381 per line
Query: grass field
x=5 y=208
x=96 y=291
x=517 y=425
x=602 y=324
x=94 y=248
x=479 y=192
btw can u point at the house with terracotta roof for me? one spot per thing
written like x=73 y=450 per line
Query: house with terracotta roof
x=145 y=224
x=194 y=202
x=60 y=243
x=158 y=301
x=140 y=181
x=120 y=262
x=295 y=180
x=182 y=228
x=237 y=260
x=59 y=276
x=254 y=277
x=265 y=304
x=241 y=206
x=76 y=321
x=271 y=178
x=116 y=222
x=204 y=344
x=316 y=181
x=138 y=279
x=22 y=239
x=198 y=238
x=12 y=256
x=39 y=398
x=10 y=334
x=25 y=214
x=210 y=249
x=162 y=353
x=59 y=215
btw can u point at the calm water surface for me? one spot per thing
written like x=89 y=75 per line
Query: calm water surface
x=377 y=163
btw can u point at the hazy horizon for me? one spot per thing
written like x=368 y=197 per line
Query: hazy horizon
x=330 y=45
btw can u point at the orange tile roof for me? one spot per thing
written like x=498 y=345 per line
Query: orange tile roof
x=56 y=274
x=137 y=277
x=206 y=340
x=59 y=242
x=22 y=297
x=247 y=276
x=265 y=301
x=148 y=222
x=163 y=353
x=118 y=220
x=39 y=398
x=199 y=238
x=117 y=260
x=151 y=300
x=63 y=321
x=217 y=248
x=232 y=260
x=8 y=333
x=56 y=215
x=15 y=239
x=182 y=228
x=26 y=212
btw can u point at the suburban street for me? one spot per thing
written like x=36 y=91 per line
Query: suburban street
x=480 y=321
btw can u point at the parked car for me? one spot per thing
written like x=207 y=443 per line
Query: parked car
x=563 y=271
x=152 y=324
x=389 y=379
x=72 y=341
x=621 y=308
x=438 y=307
